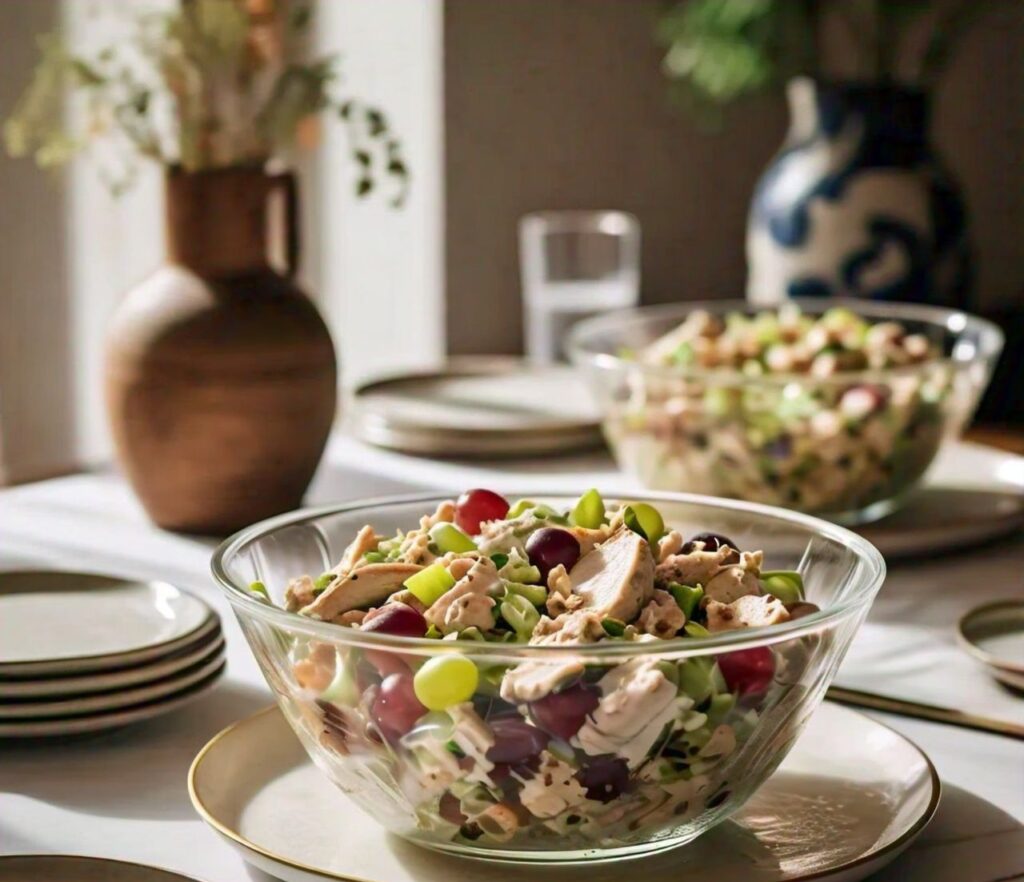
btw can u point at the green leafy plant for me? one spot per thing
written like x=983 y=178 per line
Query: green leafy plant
x=207 y=84
x=719 y=51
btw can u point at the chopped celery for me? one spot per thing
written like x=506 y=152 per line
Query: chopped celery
x=375 y=556
x=669 y=670
x=695 y=679
x=720 y=706
x=429 y=584
x=499 y=560
x=562 y=750
x=688 y=597
x=342 y=689
x=683 y=354
x=472 y=633
x=322 y=581
x=536 y=594
x=786 y=585
x=547 y=513
x=692 y=629
x=719 y=400
x=518 y=569
x=259 y=588
x=521 y=615
x=644 y=520
x=450 y=539
x=588 y=511
x=434 y=633
x=613 y=627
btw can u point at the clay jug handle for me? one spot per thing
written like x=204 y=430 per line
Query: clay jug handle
x=287 y=185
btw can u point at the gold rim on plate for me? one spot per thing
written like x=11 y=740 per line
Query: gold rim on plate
x=239 y=839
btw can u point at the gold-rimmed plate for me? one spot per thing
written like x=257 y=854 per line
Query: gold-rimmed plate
x=851 y=795
x=994 y=635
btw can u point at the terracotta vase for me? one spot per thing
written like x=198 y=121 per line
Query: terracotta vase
x=220 y=372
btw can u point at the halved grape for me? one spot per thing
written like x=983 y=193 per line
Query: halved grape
x=449 y=808
x=477 y=506
x=747 y=671
x=563 y=713
x=645 y=520
x=589 y=510
x=605 y=778
x=396 y=708
x=786 y=585
x=446 y=680
x=550 y=546
x=386 y=662
x=399 y=619
x=801 y=609
x=712 y=542
x=515 y=740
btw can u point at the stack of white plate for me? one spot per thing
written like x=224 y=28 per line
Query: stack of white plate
x=84 y=652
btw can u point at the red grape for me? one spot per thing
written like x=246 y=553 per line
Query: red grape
x=398 y=619
x=396 y=708
x=748 y=671
x=515 y=740
x=801 y=609
x=474 y=507
x=712 y=542
x=548 y=547
x=562 y=713
x=385 y=662
x=604 y=777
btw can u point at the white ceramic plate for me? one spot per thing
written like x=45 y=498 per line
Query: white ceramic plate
x=71 y=623
x=110 y=719
x=851 y=796
x=72 y=868
x=972 y=494
x=109 y=701
x=108 y=681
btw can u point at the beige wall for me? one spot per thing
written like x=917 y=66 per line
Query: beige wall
x=560 y=104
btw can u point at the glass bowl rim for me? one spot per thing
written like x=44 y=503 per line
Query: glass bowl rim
x=579 y=342
x=240 y=597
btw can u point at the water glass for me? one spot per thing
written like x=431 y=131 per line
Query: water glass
x=574 y=264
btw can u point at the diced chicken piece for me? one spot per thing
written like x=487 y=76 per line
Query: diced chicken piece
x=552 y=789
x=366 y=540
x=368 y=585
x=533 y=680
x=469 y=611
x=662 y=617
x=695 y=568
x=721 y=743
x=746 y=612
x=444 y=513
x=416 y=549
x=350 y=618
x=588 y=537
x=560 y=597
x=616 y=580
x=299 y=593
x=480 y=579
x=316 y=670
x=637 y=702
x=474 y=738
x=669 y=544
x=732 y=582
x=408 y=598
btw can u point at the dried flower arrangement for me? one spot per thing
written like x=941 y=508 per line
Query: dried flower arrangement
x=204 y=84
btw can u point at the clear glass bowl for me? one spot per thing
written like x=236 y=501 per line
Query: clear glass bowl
x=327 y=679
x=785 y=439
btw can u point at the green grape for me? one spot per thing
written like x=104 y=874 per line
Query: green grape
x=695 y=679
x=645 y=520
x=589 y=510
x=445 y=680
x=692 y=629
x=429 y=584
x=786 y=585
x=449 y=538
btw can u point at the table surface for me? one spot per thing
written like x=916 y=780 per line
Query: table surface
x=123 y=795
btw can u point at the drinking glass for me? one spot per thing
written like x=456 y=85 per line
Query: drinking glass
x=574 y=264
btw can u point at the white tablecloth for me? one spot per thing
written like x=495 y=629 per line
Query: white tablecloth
x=124 y=795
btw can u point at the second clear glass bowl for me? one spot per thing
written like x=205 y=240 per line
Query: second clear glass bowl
x=783 y=439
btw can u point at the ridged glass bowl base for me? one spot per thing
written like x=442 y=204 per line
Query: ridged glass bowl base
x=574 y=856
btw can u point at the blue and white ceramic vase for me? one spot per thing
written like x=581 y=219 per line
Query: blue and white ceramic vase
x=856 y=204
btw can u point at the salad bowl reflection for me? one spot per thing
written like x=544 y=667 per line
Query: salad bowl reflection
x=555 y=679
